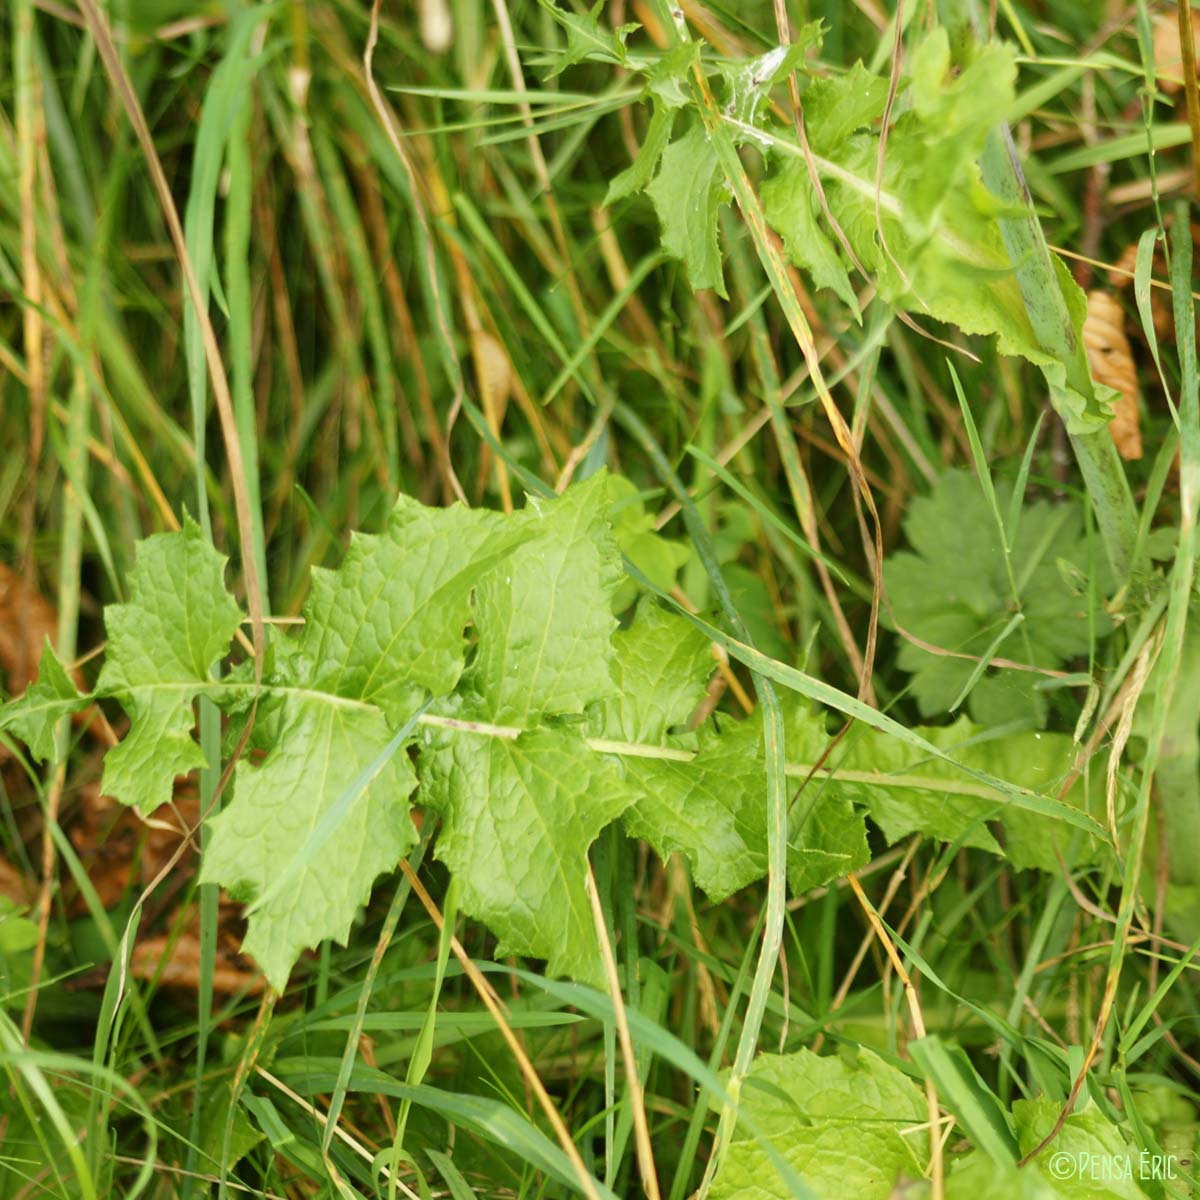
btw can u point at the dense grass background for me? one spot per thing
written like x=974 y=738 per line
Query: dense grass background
x=353 y=314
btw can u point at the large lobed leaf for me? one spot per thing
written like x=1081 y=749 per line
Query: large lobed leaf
x=541 y=722
x=519 y=814
x=269 y=847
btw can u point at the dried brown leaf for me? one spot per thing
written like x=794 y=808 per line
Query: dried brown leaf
x=178 y=965
x=1111 y=359
x=27 y=618
x=15 y=885
x=1168 y=56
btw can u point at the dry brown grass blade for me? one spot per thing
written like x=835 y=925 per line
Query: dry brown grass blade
x=1187 y=45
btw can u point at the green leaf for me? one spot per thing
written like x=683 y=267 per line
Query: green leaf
x=162 y=645
x=976 y=1176
x=587 y=39
x=327 y=809
x=687 y=192
x=657 y=557
x=17 y=932
x=323 y=751
x=519 y=815
x=1089 y=1142
x=659 y=668
x=703 y=797
x=668 y=80
x=1080 y=414
x=827 y=840
x=710 y=808
x=50 y=697
x=927 y=229
x=791 y=206
x=837 y=106
x=953 y=538
x=544 y=616
x=849 y=1126
x=638 y=174
x=907 y=792
x=387 y=626
x=952 y=111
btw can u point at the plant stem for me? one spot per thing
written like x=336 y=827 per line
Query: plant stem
x=1046 y=306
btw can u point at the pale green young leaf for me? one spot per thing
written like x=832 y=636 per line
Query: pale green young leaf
x=940 y=250
x=1079 y=414
x=178 y=623
x=850 y=1126
x=544 y=615
x=748 y=83
x=51 y=696
x=951 y=113
x=518 y=817
x=323 y=749
x=977 y=1176
x=687 y=193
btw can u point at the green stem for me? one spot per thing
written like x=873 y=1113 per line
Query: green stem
x=1046 y=306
